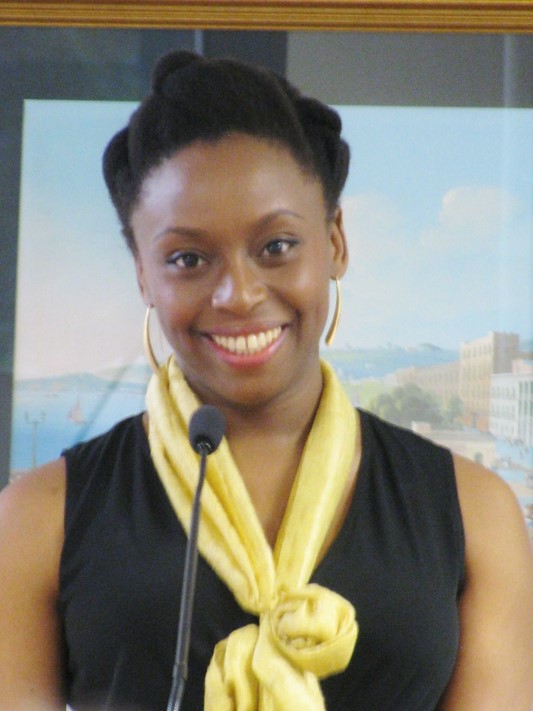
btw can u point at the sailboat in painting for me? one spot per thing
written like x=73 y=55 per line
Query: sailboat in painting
x=75 y=413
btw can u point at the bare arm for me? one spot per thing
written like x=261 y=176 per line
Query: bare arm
x=31 y=532
x=495 y=664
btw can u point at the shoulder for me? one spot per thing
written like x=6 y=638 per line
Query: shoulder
x=31 y=534
x=34 y=497
x=32 y=508
x=496 y=540
x=36 y=492
x=491 y=512
x=31 y=522
x=493 y=669
x=486 y=499
x=498 y=552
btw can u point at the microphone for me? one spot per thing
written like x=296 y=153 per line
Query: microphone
x=206 y=429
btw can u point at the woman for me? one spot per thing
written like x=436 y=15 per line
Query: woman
x=345 y=563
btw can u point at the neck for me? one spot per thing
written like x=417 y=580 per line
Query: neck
x=267 y=443
x=289 y=415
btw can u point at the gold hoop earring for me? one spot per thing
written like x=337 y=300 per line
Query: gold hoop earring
x=330 y=335
x=149 y=351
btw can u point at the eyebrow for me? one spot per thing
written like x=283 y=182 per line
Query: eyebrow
x=182 y=231
x=196 y=233
x=282 y=212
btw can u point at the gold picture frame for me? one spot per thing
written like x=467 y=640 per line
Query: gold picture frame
x=476 y=16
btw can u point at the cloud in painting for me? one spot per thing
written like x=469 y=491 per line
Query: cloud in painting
x=378 y=284
x=376 y=228
x=471 y=219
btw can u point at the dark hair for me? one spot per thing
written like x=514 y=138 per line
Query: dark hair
x=197 y=99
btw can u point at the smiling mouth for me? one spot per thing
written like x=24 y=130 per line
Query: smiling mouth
x=248 y=345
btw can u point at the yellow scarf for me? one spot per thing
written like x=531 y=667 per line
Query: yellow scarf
x=305 y=631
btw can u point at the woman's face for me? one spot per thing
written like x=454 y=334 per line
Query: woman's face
x=235 y=253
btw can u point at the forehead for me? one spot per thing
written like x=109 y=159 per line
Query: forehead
x=237 y=170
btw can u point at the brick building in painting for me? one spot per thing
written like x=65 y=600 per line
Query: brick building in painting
x=441 y=380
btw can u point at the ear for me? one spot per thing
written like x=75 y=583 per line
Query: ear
x=141 y=281
x=339 y=246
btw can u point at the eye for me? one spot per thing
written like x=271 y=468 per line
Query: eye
x=279 y=247
x=186 y=260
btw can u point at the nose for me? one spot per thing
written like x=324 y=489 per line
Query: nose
x=239 y=289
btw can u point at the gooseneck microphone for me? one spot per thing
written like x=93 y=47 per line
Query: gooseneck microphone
x=206 y=430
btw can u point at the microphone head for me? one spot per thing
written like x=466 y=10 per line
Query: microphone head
x=206 y=429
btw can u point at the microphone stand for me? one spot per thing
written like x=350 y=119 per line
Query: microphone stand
x=180 y=670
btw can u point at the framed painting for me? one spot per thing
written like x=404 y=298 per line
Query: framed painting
x=437 y=105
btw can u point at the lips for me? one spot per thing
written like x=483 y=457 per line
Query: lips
x=249 y=344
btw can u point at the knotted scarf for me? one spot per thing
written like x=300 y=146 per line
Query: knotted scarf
x=305 y=631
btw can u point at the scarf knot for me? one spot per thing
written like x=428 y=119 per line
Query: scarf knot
x=308 y=635
x=315 y=629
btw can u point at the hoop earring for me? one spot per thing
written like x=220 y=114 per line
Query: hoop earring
x=330 y=335
x=149 y=351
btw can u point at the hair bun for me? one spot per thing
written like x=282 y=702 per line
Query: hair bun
x=311 y=109
x=168 y=64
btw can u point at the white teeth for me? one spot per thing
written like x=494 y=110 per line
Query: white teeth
x=247 y=345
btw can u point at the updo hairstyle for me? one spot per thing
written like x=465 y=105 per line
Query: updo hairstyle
x=197 y=99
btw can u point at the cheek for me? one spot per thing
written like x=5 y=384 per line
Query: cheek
x=310 y=292
x=176 y=312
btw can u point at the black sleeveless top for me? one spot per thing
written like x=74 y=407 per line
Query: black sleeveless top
x=399 y=558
